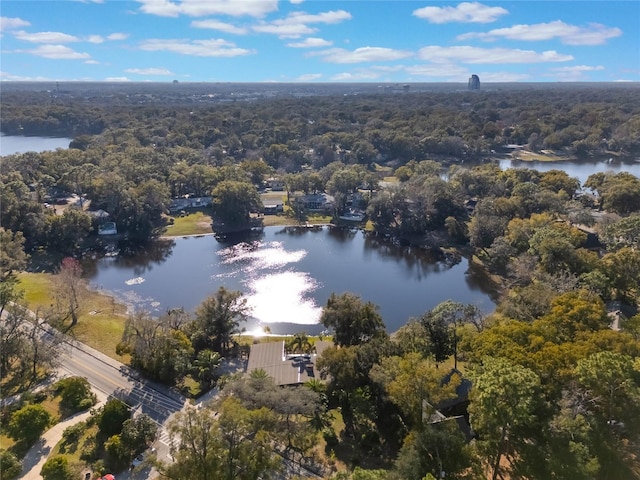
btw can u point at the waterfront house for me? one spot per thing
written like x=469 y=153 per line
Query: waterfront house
x=285 y=369
x=317 y=202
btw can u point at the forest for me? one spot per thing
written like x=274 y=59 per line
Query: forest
x=545 y=387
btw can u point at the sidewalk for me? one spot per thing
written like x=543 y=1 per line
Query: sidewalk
x=38 y=454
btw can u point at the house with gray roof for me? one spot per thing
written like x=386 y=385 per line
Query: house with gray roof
x=284 y=368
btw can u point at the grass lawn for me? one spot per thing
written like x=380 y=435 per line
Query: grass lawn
x=50 y=403
x=74 y=451
x=193 y=223
x=271 y=197
x=101 y=320
x=277 y=220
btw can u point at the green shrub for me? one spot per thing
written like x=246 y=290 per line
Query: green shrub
x=75 y=394
x=73 y=433
x=10 y=466
x=57 y=468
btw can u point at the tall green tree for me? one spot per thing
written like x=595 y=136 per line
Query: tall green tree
x=437 y=449
x=352 y=321
x=28 y=423
x=158 y=347
x=415 y=385
x=228 y=443
x=504 y=404
x=68 y=231
x=12 y=255
x=137 y=433
x=233 y=201
x=218 y=318
x=111 y=417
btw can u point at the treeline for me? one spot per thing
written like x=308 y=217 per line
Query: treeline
x=355 y=129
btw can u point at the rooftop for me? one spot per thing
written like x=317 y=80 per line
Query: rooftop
x=285 y=369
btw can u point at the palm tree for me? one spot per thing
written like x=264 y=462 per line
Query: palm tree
x=206 y=364
x=321 y=417
x=299 y=343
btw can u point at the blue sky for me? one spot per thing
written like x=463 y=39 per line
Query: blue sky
x=319 y=40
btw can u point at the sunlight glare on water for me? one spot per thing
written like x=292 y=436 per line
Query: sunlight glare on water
x=276 y=293
x=284 y=297
x=260 y=256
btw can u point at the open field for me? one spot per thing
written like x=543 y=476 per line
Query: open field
x=193 y=223
x=101 y=320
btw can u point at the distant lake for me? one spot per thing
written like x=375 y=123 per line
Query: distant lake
x=287 y=275
x=10 y=144
x=579 y=169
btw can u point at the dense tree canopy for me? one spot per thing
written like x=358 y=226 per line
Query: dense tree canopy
x=352 y=321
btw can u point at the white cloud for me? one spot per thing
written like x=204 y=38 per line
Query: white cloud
x=9 y=23
x=117 y=79
x=95 y=39
x=593 y=34
x=285 y=30
x=8 y=77
x=92 y=62
x=309 y=77
x=149 y=71
x=311 y=42
x=502 y=77
x=56 y=52
x=356 y=76
x=45 y=37
x=361 y=55
x=220 y=26
x=296 y=24
x=578 y=68
x=117 y=36
x=330 y=17
x=477 y=55
x=199 y=48
x=296 y=2
x=201 y=8
x=465 y=12
x=573 y=73
x=444 y=70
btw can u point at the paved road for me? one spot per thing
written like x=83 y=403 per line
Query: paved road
x=109 y=378
x=116 y=379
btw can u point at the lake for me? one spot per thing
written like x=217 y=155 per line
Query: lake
x=287 y=275
x=579 y=169
x=10 y=144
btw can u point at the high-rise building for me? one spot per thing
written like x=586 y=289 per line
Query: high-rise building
x=474 y=82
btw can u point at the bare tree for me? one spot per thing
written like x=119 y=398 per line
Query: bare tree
x=69 y=291
x=43 y=346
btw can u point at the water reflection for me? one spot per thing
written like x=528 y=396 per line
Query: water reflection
x=287 y=275
x=418 y=262
x=142 y=259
